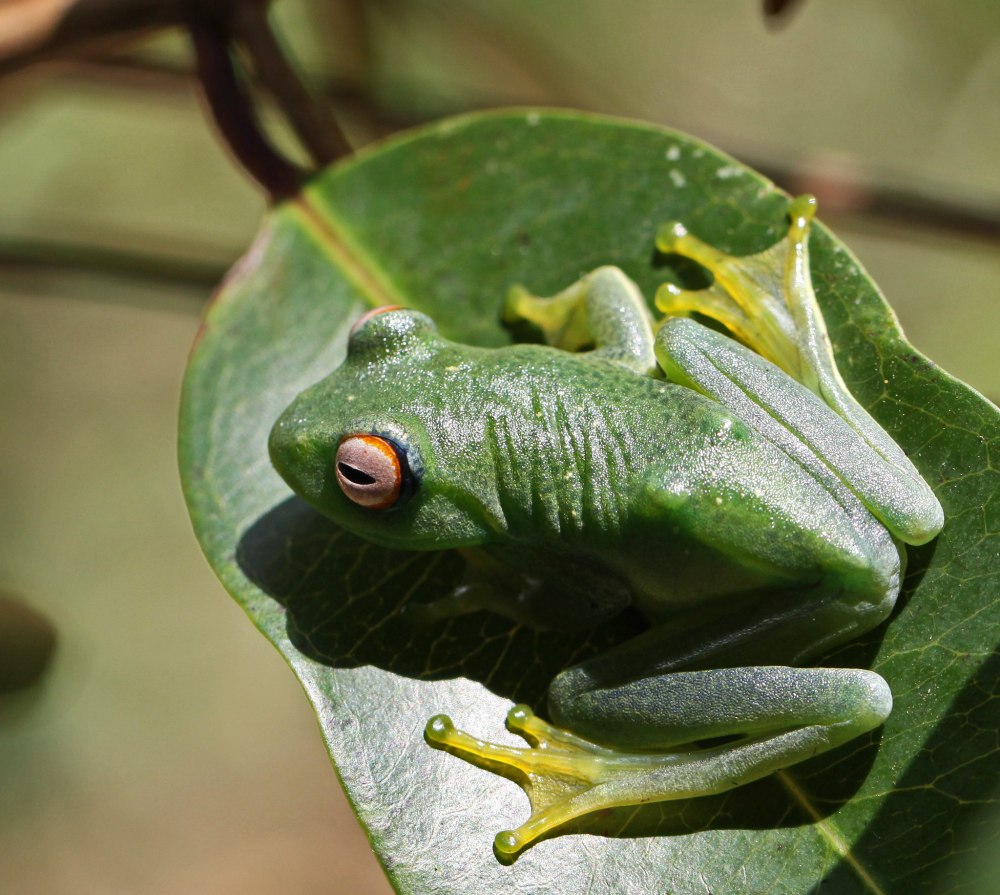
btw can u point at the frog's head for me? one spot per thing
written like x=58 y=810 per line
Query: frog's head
x=379 y=446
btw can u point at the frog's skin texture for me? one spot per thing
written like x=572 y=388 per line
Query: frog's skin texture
x=749 y=508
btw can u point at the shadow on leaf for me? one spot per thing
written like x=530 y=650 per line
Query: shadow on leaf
x=938 y=856
x=343 y=597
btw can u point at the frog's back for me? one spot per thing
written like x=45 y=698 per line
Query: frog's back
x=572 y=438
x=677 y=493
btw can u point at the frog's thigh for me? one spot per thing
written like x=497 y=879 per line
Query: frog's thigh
x=827 y=570
x=801 y=425
x=713 y=670
x=604 y=309
x=670 y=710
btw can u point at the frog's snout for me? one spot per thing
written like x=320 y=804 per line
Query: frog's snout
x=292 y=451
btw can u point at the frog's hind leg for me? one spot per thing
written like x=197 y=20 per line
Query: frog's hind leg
x=801 y=425
x=768 y=302
x=603 y=309
x=780 y=715
x=629 y=725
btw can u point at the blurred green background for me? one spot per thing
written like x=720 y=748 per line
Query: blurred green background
x=168 y=749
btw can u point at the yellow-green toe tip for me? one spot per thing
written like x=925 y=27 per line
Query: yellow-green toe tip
x=666 y=295
x=507 y=842
x=803 y=209
x=438 y=728
x=668 y=235
x=519 y=714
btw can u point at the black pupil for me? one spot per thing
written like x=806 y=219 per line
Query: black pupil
x=355 y=475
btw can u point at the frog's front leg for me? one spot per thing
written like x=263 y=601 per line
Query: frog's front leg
x=603 y=309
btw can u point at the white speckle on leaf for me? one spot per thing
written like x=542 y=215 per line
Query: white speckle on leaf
x=673 y=153
x=698 y=153
x=678 y=179
x=727 y=171
x=532 y=118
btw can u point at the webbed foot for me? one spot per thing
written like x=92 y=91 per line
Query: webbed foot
x=767 y=301
x=563 y=775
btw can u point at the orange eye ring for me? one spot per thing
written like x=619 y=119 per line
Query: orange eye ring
x=369 y=471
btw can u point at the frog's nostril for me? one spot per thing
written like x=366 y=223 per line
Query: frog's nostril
x=286 y=442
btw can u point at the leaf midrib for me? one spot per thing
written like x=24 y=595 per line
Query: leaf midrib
x=337 y=241
x=829 y=832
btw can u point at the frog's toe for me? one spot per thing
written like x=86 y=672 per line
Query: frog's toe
x=438 y=728
x=669 y=235
x=507 y=843
x=442 y=733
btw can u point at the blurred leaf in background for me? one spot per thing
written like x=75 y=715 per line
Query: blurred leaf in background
x=27 y=641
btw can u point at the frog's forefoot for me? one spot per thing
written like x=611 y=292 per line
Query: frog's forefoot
x=559 y=317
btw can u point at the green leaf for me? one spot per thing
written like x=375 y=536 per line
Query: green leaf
x=446 y=220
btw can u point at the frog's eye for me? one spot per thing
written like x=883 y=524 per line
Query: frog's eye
x=370 y=471
x=374 y=312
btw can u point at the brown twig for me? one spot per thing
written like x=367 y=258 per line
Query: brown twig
x=310 y=118
x=32 y=30
x=234 y=112
x=35 y=30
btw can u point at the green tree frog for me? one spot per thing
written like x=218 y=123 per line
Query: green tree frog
x=741 y=500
